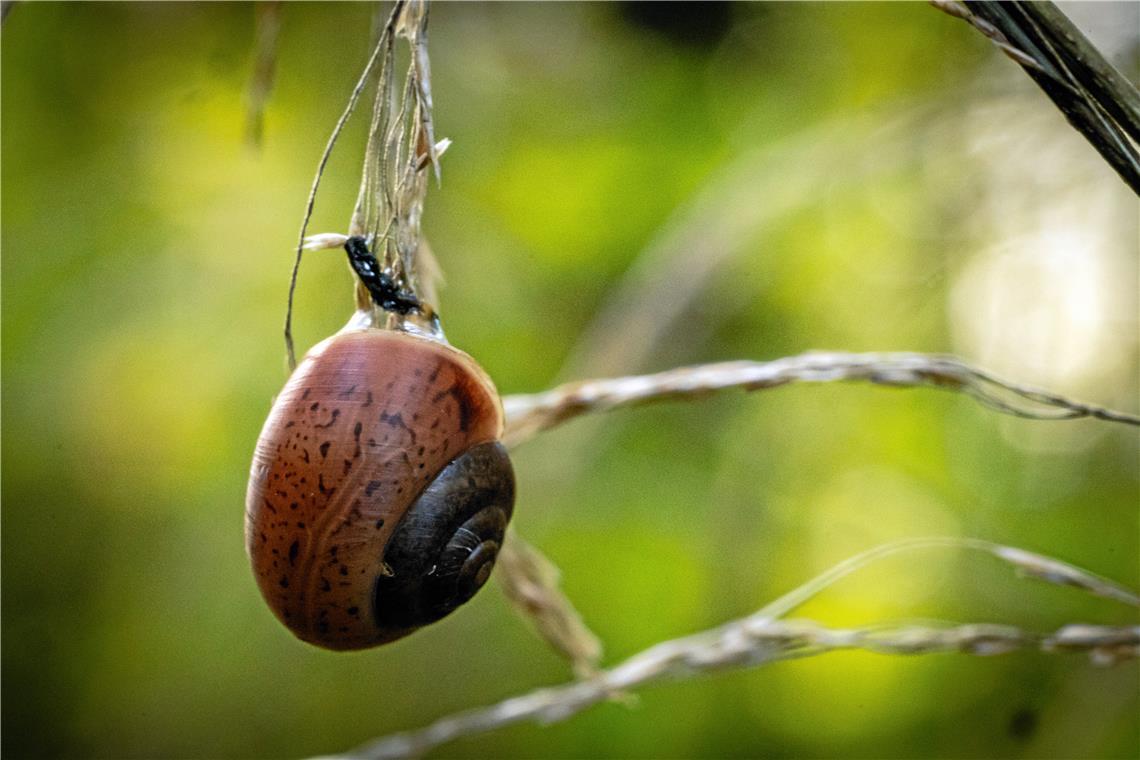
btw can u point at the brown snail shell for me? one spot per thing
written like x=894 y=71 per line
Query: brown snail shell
x=379 y=492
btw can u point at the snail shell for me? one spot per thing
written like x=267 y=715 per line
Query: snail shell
x=379 y=492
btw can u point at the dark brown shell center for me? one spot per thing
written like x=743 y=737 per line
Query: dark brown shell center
x=443 y=550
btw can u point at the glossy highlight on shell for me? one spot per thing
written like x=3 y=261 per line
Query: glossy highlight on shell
x=379 y=493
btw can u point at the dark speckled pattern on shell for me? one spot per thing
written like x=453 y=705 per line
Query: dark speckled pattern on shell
x=366 y=421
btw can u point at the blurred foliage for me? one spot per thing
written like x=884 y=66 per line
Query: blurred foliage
x=145 y=255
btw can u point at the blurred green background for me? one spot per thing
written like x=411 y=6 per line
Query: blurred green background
x=630 y=188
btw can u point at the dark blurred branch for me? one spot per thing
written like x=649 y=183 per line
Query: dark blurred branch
x=5 y=9
x=1111 y=89
x=1096 y=98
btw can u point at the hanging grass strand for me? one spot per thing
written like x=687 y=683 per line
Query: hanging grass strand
x=382 y=44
